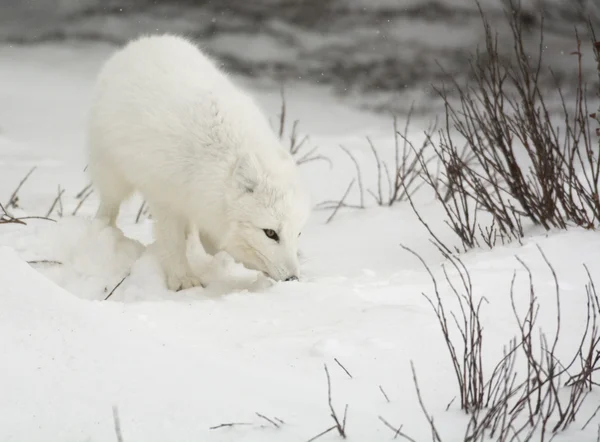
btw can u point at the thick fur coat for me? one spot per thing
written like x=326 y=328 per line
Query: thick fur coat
x=167 y=122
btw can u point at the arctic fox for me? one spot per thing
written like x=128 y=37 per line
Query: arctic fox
x=167 y=122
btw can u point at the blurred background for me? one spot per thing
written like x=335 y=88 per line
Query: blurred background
x=380 y=54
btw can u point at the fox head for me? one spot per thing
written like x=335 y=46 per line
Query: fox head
x=267 y=211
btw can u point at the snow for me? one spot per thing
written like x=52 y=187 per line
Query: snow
x=176 y=364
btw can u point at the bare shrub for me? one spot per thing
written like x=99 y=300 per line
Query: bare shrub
x=508 y=405
x=395 y=183
x=467 y=363
x=297 y=144
x=450 y=190
x=589 y=353
x=404 y=179
x=500 y=150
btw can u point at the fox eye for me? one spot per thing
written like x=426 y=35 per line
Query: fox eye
x=271 y=234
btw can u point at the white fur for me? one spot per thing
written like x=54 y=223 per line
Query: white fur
x=166 y=122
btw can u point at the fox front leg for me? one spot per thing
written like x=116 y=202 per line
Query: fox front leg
x=206 y=267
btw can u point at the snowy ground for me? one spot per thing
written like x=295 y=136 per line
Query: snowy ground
x=176 y=364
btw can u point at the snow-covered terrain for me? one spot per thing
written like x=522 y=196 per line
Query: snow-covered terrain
x=176 y=365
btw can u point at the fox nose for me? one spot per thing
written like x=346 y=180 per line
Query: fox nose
x=292 y=278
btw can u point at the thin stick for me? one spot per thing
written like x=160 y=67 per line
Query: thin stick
x=86 y=196
x=397 y=431
x=358 y=176
x=45 y=218
x=272 y=422
x=282 y=115
x=343 y=368
x=60 y=210
x=321 y=434
x=60 y=192
x=384 y=395
x=139 y=214
x=6 y=218
x=341 y=202
x=13 y=197
x=44 y=261
x=341 y=426
x=83 y=191
x=436 y=435
x=116 y=287
x=229 y=424
x=591 y=417
x=117 y=424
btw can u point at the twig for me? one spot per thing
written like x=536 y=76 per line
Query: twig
x=229 y=424
x=85 y=197
x=341 y=426
x=323 y=433
x=384 y=395
x=591 y=417
x=358 y=176
x=341 y=202
x=379 y=196
x=272 y=422
x=140 y=211
x=116 y=287
x=13 y=197
x=44 y=261
x=436 y=435
x=83 y=191
x=117 y=424
x=397 y=431
x=7 y=218
x=342 y=367
x=56 y=200
x=282 y=114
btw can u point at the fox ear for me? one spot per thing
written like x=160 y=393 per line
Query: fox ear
x=245 y=173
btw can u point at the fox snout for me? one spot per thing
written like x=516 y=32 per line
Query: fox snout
x=288 y=272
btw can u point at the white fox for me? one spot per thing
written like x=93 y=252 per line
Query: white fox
x=167 y=122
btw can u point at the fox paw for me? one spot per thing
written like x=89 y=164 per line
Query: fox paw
x=177 y=282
